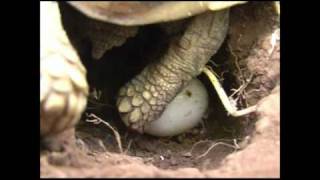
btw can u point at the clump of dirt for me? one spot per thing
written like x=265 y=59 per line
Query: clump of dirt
x=221 y=146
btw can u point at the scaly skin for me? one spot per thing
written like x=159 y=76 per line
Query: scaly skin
x=103 y=36
x=63 y=86
x=145 y=97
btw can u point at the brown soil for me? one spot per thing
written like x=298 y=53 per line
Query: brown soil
x=247 y=146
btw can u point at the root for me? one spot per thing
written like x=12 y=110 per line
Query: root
x=232 y=110
x=241 y=93
x=98 y=120
x=128 y=146
x=241 y=89
x=214 y=145
x=214 y=64
x=189 y=154
x=235 y=145
x=236 y=62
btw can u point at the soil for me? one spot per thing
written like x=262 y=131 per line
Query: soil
x=221 y=146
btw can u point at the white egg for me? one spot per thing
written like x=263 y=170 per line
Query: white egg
x=183 y=113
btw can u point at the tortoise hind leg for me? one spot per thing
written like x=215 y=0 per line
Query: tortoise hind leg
x=63 y=85
x=145 y=97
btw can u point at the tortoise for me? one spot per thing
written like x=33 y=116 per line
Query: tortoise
x=63 y=86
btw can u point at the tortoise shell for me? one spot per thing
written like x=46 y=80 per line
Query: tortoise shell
x=140 y=12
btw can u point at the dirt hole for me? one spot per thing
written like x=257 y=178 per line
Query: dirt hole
x=248 y=24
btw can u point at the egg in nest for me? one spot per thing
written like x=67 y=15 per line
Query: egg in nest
x=184 y=112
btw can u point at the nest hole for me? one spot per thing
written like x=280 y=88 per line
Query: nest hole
x=120 y=64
